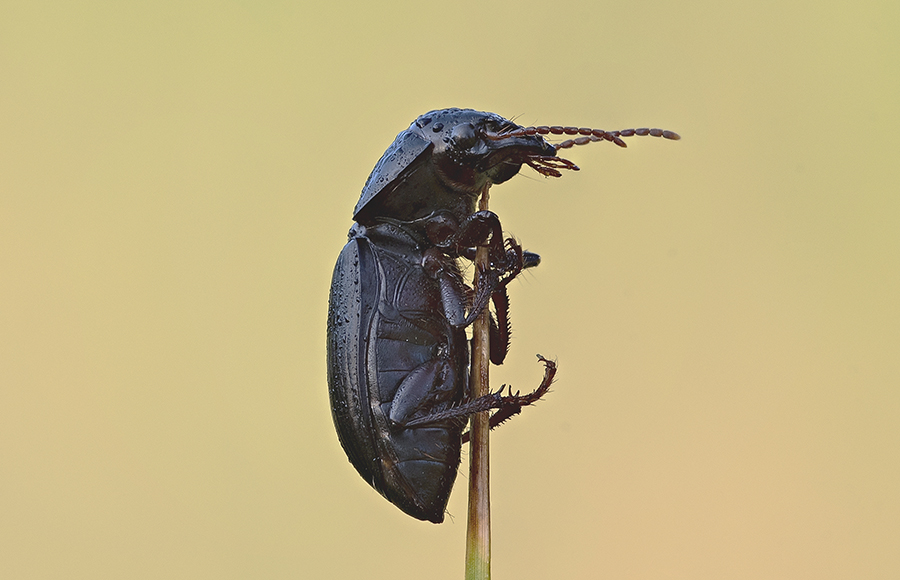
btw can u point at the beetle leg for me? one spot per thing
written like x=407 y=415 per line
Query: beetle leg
x=427 y=386
x=530 y=259
x=488 y=282
x=500 y=328
x=468 y=253
x=513 y=403
x=515 y=261
x=507 y=406
x=480 y=228
x=454 y=292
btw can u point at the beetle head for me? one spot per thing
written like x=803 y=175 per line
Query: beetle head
x=446 y=158
x=443 y=162
x=472 y=151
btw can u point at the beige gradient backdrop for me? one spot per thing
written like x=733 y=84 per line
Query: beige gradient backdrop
x=176 y=180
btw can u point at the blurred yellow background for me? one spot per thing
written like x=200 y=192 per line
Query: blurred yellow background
x=177 y=179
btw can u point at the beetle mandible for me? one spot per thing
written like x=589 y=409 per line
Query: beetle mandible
x=398 y=308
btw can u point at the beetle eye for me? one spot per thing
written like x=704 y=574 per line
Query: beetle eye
x=463 y=136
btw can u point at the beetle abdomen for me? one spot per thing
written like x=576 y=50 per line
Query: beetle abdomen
x=389 y=344
x=349 y=317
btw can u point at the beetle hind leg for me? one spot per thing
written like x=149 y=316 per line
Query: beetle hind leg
x=507 y=406
x=512 y=404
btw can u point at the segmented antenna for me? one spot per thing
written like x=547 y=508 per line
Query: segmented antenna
x=549 y=165
x=588 y=134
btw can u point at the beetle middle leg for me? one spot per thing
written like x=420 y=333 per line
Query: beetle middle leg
x=517 y=259
x=500 y=329
x=507 y=405
x=456 y=296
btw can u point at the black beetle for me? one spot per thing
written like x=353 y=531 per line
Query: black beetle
x=398 y=309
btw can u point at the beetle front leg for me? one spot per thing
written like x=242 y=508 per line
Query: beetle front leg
x=529 y=259
x=480 y=228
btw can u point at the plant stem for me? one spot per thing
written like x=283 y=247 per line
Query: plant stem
x=478 y=534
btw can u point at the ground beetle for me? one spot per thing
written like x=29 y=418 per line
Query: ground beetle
x=397 y=349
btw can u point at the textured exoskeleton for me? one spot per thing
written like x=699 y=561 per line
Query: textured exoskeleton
x=398 y=311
